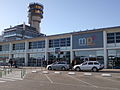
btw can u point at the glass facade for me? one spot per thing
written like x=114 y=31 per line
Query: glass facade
x=4 y=59
x=81 y=56
x=62 y=42
x=4 y=47
x=58 y=56
x=113 y=37
x=114 y=59
x=19 y=58
x=36 y=44
x=36 y=59
x=18 y=46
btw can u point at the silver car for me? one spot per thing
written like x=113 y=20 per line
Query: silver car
x=62 y=65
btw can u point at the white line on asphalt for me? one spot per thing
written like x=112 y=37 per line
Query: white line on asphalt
x=107 y=79
x=92 y=84
x=82 y=81
x=2 y=81
x=49 y=78
x=7 y=79
x=14 y=78
x=109 y=88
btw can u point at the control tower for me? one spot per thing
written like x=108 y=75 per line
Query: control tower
x=35 y=14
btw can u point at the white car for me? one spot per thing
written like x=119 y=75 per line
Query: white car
x=89 y=65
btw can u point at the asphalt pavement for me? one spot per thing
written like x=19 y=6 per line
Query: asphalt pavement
x=37 y=79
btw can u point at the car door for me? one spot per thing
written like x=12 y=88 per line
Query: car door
x=55 y=65
x=83 y=66
x=60 y=65
x=90 y=65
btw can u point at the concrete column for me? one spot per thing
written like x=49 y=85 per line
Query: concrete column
x=46 y=48
x=10 y=50
x=26 y=54
x=105 y=49
x=71 y=52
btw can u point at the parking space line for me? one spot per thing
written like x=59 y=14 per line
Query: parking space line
x=49 y=78
x=107 y=79
x=86 y=86
x=7 y=79
x=2 y=81
x=83 y=81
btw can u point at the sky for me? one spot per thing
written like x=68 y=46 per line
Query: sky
x=63 y=16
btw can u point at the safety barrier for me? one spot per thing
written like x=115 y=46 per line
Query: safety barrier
x=5 y=71
x=23 y=73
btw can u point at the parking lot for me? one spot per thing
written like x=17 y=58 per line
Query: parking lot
x=66 y=80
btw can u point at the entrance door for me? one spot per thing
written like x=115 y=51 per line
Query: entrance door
x=117 y=61
x=114 y=59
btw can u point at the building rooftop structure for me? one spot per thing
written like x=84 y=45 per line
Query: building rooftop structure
x=20 y=32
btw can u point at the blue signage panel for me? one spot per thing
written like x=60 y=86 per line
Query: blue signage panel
x=88 y=40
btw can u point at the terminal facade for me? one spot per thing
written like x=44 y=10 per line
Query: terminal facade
x=101 y=44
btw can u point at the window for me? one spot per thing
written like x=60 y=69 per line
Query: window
x=90 y=63
x=96 y=63
x=61 y=63
x=0 y=47
x=5 y=47
x=50 y=43
x=19 y=46
x=36 y=44
x=118 y=37
x=110 y=37
x=56 y=43
x=84 y=63
x=62 y=42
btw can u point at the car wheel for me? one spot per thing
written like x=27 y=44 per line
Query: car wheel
x=94 y=69
x=63 y=68
x=49 y=68
x=77 y=69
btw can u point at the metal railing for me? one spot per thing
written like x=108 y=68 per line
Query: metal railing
x=6 y=71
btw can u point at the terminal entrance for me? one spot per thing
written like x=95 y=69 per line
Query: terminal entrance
x=36 y=59
x=114 y=59
x=60 y=56
x=82 y=56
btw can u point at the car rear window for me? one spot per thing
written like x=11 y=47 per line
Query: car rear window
x=90 y=63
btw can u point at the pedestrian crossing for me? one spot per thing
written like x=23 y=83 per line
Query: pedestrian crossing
x=2 y=80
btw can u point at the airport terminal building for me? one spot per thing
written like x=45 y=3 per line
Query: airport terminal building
x=31 y=49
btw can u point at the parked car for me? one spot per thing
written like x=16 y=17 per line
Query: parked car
x=62 y=65
x=89 y=65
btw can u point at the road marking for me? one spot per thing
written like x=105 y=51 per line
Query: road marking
x=107 y=79
x=49 y=78
x=106 y=75
x=86 y=86
x=14 y=78
x=7 y=79
x=2 y=81
x=83 y=81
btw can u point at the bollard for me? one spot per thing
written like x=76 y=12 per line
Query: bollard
x=24 y=72
x=5 y=72
x=21 y=73
x=11 y=70
x=0 y=74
